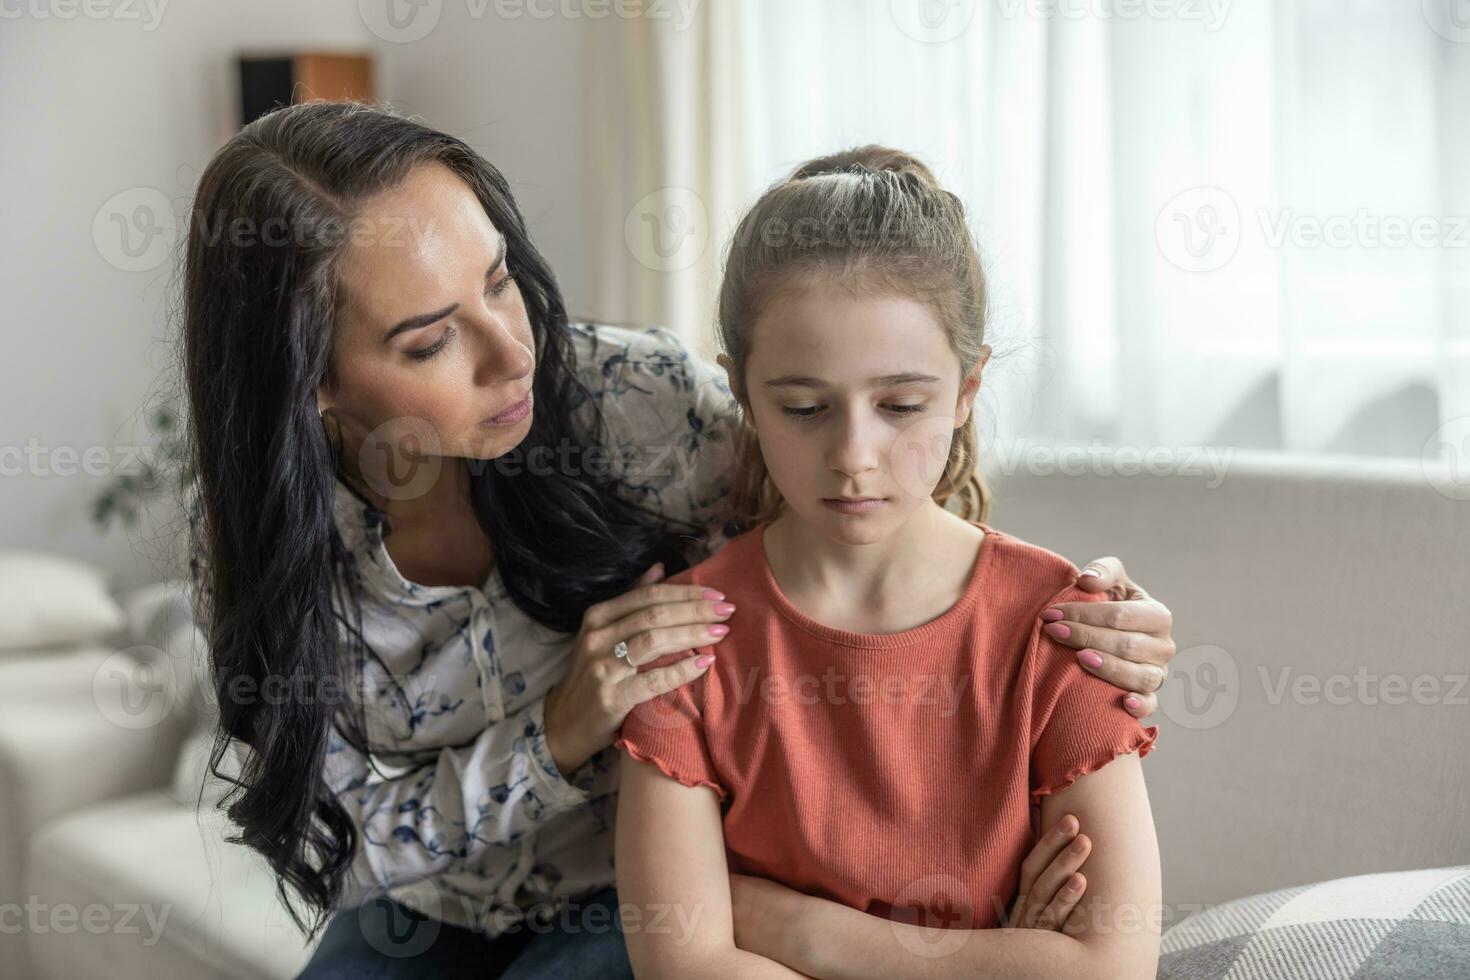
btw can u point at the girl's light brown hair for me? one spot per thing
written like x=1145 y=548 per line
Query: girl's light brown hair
x=873 y=220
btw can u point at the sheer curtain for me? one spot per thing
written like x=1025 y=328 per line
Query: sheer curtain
x=1204 y=223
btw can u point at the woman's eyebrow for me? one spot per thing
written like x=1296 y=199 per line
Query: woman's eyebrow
x=885 y=381
x=426 y=319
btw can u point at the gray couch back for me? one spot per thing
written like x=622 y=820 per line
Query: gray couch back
x=1316 y=722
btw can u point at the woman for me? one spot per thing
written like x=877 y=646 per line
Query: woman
x=436 y=515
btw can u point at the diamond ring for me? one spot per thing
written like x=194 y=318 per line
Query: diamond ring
x=621 y=650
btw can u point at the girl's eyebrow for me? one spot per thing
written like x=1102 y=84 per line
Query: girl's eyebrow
x=885 y=381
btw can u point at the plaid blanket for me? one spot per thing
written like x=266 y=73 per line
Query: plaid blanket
x=1406 y=925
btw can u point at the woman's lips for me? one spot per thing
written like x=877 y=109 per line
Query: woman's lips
x=514 y=414
x=850 y=505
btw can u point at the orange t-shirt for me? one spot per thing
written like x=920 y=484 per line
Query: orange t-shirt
x=896 y=773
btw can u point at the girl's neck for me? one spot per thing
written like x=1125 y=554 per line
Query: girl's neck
x=904 y=580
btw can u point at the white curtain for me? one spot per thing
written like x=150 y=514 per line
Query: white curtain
x=1205 y=223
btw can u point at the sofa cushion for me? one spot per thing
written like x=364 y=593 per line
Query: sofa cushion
x=1405 y=924
x=202 y=907
x=49 y=601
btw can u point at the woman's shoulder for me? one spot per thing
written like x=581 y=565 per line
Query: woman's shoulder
x=651 y=360
x=646 y=382
x=665 y=416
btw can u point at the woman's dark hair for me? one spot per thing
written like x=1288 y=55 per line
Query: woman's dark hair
x=278 y=597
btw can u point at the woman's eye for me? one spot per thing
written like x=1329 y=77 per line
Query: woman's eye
x=801 y=411
x=503 y=284
x=423 y=354
x=904 y=409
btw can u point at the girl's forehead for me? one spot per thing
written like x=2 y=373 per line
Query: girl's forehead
x=848 y=332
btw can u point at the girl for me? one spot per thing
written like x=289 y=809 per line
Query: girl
x=873 y=733
x=428 y=505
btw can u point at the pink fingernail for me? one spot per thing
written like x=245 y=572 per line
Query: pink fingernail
x=1132 y=702
x=713 y=594
x=1089 y=657
x=1052 y=615
x=1058 y=630
x=1090 y=573
x=718 y=629
x=705 y=660
x=724 y=608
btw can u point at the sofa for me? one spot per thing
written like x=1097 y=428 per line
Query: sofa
x=1314 y=725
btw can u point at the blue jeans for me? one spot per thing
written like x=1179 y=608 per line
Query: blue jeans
x=385 y=940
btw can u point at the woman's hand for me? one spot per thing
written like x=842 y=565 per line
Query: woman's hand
x=586 y=708
x=1051 y=886
x=1126 y=642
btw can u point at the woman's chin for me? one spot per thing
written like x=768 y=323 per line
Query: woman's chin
x=492 y=442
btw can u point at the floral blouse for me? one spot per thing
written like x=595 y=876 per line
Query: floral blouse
x=462 y=812
x=466 y=816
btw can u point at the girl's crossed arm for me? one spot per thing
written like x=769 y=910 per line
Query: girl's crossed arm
x=670 y=855
x=1112 y=933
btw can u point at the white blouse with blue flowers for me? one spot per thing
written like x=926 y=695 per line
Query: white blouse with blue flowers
x=472 y=822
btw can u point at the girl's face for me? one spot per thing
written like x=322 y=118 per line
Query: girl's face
x=855 y=400
x=432 y=338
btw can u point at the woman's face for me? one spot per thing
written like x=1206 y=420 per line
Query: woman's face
x=854 y=397
x=432 y=339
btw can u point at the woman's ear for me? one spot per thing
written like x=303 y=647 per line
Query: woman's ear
x=324 y=400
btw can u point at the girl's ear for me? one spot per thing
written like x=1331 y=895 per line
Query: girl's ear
x=723 y=360
x=970 y=387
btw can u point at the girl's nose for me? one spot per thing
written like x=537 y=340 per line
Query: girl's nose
x=854 y=450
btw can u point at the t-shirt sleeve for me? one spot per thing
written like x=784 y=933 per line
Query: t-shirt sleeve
x=669 y=732
x=1078 y=722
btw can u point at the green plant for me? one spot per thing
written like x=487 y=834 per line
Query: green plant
x=167 y=467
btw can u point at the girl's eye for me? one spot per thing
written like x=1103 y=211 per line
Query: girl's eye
x=802 y=411
x=810 y=411
x=427 y=352
x=503 y=284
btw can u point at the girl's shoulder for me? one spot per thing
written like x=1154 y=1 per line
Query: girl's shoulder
x=1028 y=575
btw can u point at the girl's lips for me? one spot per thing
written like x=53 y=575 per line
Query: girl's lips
x=863 y=506
x=514 y=414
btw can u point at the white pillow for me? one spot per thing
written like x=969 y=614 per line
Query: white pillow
x=47 y=600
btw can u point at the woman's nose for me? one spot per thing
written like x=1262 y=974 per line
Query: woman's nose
x=504 y=351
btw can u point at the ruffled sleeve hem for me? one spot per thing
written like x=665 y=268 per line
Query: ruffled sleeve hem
x=1140 y=741
x=667 y=770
